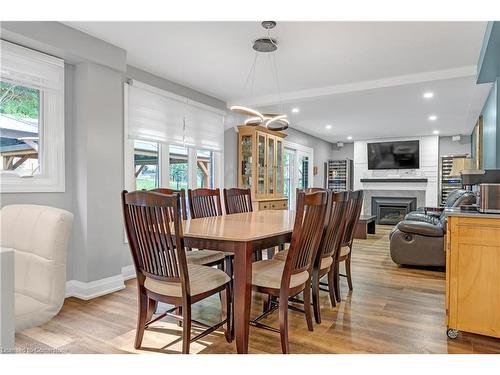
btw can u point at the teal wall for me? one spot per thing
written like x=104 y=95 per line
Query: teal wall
x=490 y=130
x=489 y=72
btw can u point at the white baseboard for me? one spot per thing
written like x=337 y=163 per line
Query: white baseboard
x=128 y=272
x=97 y=288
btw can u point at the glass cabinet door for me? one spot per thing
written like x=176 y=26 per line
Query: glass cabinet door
x=246 y=161
x=261 y=163
x=270 y=164
x=279 y=166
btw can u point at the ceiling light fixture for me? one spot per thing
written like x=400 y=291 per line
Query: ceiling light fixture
x=428 y=95
x=295 y=110
x=435 y=132
x=433 y=118
x=328 y=126
x=276 y=121
x=349 y=137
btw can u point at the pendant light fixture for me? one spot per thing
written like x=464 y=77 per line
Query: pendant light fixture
x=273 y=121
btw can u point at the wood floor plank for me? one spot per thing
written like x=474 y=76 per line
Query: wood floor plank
x=391 y=310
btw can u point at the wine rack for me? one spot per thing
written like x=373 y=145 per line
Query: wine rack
x=339 y=174
x=448 y=182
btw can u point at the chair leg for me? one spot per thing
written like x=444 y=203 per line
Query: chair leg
x=142 y=313
x=226 y=312
x=337 y=282
x=267 y=303
x=331 y=285
x=307 y=305
x=178 y=311
x=186 y=325
x=348 y=270
x=315 y=297
x=228 y=267
x=152 y=305
x=283 y=317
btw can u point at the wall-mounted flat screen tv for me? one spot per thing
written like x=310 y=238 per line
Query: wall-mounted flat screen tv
x=393 y=155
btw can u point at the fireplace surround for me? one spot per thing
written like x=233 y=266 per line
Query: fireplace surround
x=391 y=210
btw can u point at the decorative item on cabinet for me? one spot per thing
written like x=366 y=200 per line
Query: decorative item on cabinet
x=261 y=166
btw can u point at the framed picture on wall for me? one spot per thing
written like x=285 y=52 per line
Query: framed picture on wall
x=477 y=144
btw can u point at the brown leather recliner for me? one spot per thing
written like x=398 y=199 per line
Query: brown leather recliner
x=432 y=215
x=419 y=239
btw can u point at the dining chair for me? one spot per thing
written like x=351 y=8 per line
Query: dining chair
x=154 y=231
x=283 y=280
x=201 y=257
x=204 y=203
x=237 y=200
x=345 y=251
x=333 y=231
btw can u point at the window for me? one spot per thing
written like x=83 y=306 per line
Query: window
x=303 y=172
x=19 y=128
x=31 y=121
x=146 y=163
x=204 y=169
x=170 y=141
x=179 y=172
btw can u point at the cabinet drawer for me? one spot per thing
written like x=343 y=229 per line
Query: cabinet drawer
x=273 y=205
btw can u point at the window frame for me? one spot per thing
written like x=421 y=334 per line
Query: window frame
x=51 y=145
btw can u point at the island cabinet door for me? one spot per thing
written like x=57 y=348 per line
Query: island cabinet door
x=474 y=275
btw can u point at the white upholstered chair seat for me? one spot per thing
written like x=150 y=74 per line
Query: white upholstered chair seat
x=39 y=236
x=202 y=257
x=201 y=280
x=268 y=273
x=325 y=262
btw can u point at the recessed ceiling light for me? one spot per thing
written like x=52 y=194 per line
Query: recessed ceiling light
x=433 y=118
x=435 y=132
x=328 y=126
x=349 y=137
x=428 y=95
x=295 y=110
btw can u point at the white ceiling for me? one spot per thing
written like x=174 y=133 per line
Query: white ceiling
x=364 y=78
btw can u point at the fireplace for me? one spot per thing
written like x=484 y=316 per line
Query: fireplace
x=391 y=210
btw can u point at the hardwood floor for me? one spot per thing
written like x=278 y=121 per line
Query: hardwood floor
x=391 y=310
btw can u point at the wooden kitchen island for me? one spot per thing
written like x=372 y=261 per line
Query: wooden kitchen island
x=473 y=273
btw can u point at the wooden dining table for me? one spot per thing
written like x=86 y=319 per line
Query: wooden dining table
x=241 y=234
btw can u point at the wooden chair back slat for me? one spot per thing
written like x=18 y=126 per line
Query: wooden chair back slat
x=310 y=210
x=204 y=203
x=154 y=230
x=337 y=216
x=181 y=192
x=237 y=200
x=355 y=205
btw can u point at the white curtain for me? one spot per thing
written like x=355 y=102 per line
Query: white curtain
x=159 y=116
x=25 y=67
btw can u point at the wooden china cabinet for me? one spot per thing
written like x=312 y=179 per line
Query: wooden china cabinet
x=261 y=166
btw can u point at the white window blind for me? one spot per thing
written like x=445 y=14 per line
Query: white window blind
x=159 y=116
x=25 y=67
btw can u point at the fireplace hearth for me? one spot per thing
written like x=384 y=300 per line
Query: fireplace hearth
x=391 y=210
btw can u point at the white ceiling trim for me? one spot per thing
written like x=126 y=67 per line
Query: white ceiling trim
x=292 y=96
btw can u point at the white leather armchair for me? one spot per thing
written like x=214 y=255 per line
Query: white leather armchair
x=39 y=237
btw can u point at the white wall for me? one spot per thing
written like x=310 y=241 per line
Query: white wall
x=429 y=162
x=449 y=147
x=344 y=152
